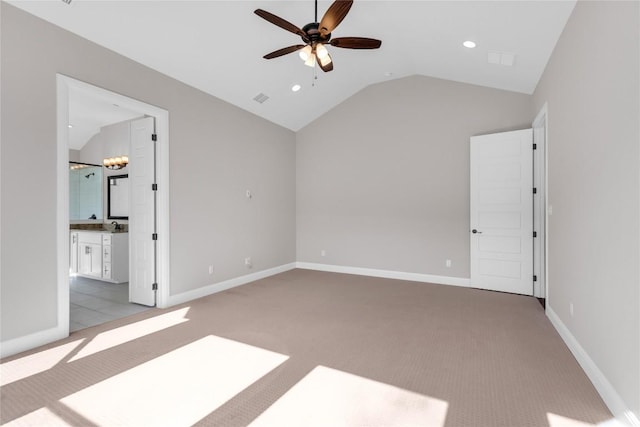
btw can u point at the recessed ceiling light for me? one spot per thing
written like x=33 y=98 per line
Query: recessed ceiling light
x=296 y=87
x=69 y=126
x=469 y=44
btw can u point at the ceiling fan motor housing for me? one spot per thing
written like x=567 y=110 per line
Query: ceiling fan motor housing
x=314 y=35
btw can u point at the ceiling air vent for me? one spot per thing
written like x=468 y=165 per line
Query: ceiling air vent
x=260 y=98
x=500 y=58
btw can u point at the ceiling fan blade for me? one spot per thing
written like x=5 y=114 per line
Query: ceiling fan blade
x=276 y=20
x=355 y=43
x=283 y=51
x=328 y=63
x=334 y=16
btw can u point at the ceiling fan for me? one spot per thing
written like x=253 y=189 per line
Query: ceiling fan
x=316 y=34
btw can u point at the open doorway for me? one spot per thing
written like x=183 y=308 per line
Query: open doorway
x=96 y=260
x=99 y=210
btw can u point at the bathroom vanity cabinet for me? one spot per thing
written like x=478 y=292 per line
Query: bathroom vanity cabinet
x=100 y=255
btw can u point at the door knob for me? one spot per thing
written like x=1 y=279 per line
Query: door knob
x=474 y=231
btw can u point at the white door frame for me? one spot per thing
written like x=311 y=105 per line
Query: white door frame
x=541 y=214
x=64 y=84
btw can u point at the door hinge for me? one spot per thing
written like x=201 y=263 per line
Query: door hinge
x=535 y=190
x=154 y=236
x=154 y=137
x=535 y=234
x=535 y=278
x=535 y=146
x=154 y=286
x=154 y=187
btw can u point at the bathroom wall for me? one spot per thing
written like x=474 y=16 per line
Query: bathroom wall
x=111 y=141
x=74 y=155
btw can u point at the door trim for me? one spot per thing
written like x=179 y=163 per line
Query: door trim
x=64 y=83
x=541 y=181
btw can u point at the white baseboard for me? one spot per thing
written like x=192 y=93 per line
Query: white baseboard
x=227 y=284
x=387 y=274
x=611 y=398
x=27 y=342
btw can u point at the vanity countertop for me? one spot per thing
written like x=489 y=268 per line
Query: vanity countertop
x=79 y=230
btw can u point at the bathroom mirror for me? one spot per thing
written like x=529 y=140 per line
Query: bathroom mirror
x=85 y=192
x=118 y=197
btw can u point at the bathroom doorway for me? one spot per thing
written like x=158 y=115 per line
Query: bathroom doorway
x=96 y=259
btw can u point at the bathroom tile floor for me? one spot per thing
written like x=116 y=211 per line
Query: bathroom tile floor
x=94 y=302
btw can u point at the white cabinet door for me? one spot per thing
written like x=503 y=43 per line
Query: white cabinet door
x=73 y=253
x=84 y=258
x=90 y=259
x=501 y=204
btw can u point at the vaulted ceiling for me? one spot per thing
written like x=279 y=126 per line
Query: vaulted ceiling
x=217 y=46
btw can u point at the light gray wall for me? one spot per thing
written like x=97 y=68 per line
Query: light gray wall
x=383 y=178
x=74 y=155
x=216 y=150
x=93 y=150
x=591 y=86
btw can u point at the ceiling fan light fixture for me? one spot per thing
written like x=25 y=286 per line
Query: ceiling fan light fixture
x=321 y=51
x=305 y=53
x=311 y=61
x=324 y=60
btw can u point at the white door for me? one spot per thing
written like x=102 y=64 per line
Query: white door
x=142 y=218
x=539 y=205
x=502 y=212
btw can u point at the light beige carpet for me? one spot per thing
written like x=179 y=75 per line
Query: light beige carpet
x=311 y=348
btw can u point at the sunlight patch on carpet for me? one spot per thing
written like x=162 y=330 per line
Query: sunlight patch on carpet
x=329 y=397
x=41 y=417
x=35 y=363
x=560 y=421
x=130 y=332
x=178 y=388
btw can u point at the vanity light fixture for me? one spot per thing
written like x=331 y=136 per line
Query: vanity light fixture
x=115 y=163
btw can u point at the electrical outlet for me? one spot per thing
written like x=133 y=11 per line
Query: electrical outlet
x=211 y=269
x=448 y=263
x=247 y=262
x=323 y=253
x=571 y=309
